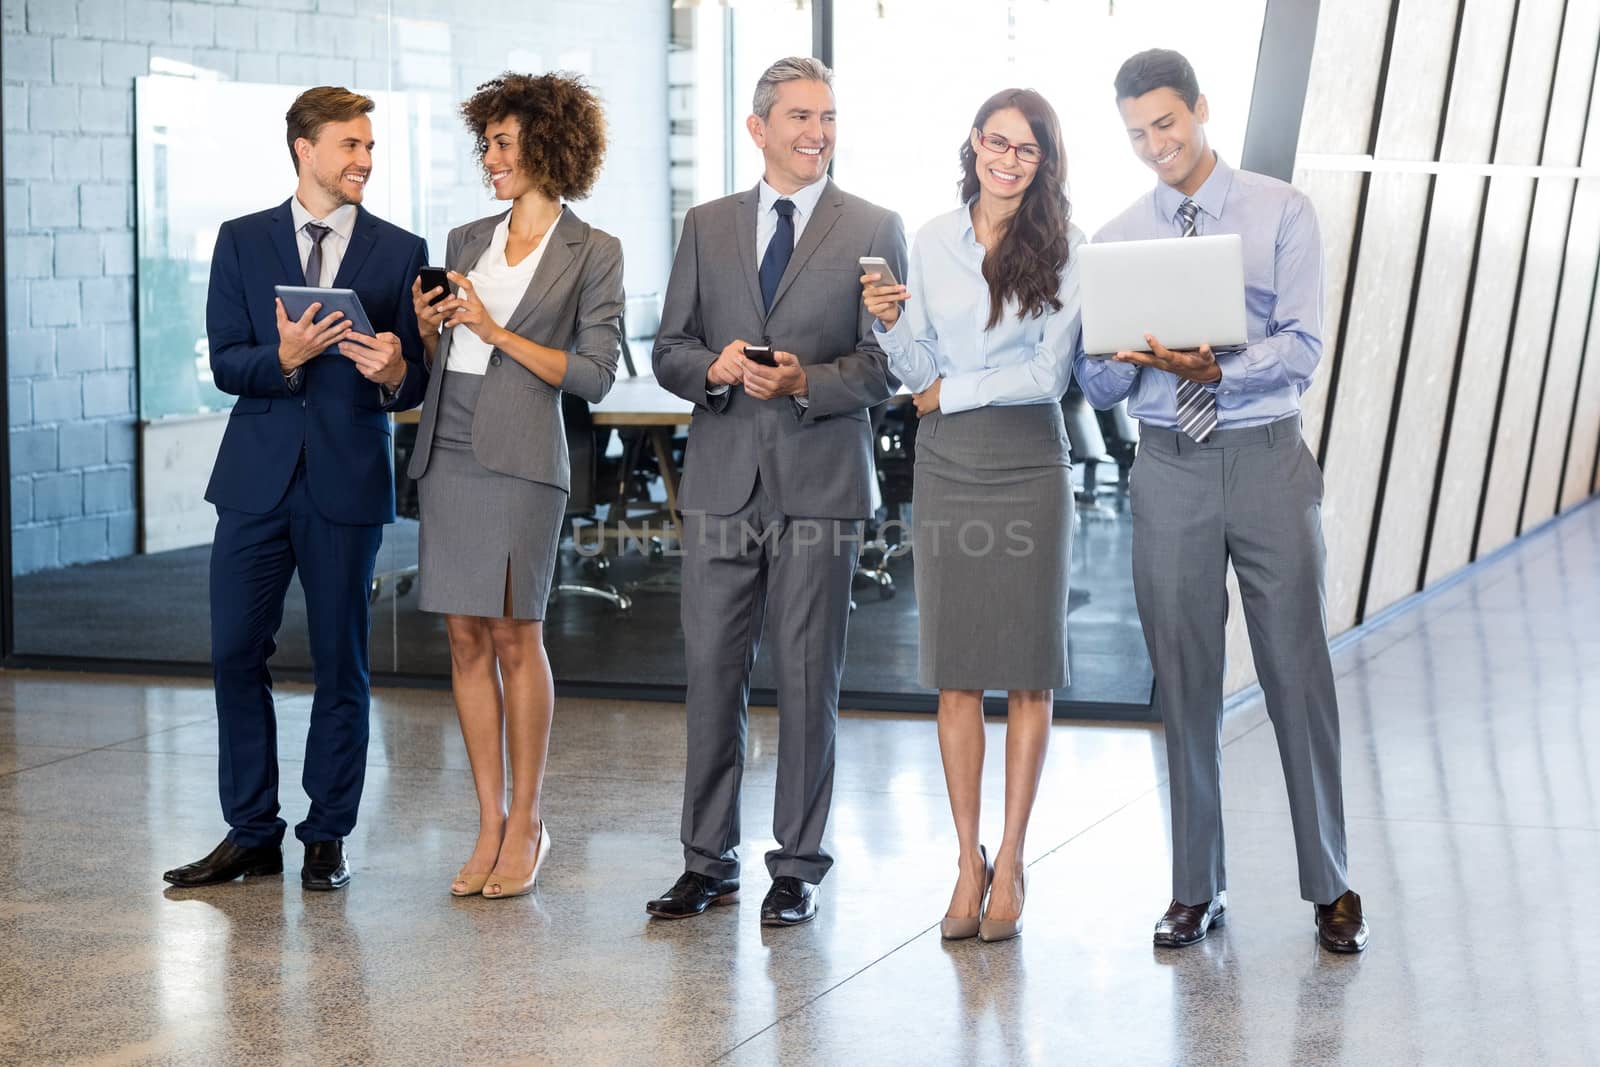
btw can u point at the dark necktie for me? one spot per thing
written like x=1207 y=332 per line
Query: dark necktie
x=779 y=249
x=314 y=261
x=1197 y=405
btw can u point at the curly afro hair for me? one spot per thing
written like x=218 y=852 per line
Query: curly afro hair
x=563 y=138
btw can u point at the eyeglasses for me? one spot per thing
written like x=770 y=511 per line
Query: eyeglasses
x=1026 y=153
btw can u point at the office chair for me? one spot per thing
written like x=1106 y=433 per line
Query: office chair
x=585 y=449
x=406 y=506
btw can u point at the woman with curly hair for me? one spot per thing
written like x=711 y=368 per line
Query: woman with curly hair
x=986 y=345
x=536 y=310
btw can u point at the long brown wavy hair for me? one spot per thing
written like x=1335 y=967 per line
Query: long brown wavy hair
x=1027 y=262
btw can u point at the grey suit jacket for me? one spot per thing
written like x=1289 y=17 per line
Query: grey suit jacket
x=815 y=462
x=573 y=302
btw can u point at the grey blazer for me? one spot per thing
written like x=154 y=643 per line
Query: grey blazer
x=815 y=461
x=573 y=302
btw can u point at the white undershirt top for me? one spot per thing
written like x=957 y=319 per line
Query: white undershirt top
x=501 y=287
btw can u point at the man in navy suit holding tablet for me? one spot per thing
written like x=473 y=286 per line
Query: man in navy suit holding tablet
x=303 y=481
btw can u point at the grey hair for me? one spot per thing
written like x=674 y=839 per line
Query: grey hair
x=793 y=68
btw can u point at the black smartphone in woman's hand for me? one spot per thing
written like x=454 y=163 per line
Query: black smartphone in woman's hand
x=434 y=278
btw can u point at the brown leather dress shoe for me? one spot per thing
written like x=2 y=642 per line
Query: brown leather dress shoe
x=1340 y=925
x=1186 y=924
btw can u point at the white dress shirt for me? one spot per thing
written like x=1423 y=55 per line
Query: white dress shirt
x=805 y=206
x=342 y=221
x=501 y=287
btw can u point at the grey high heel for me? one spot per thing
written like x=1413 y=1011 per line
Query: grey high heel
x=1003 y=929
x=961 y=928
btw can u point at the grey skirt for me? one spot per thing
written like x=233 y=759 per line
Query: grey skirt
x=992 y=510
x=481 y=528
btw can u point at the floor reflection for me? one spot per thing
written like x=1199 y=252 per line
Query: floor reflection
x=1469 y=772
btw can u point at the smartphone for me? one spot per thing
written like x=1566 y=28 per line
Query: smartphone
x=434 y=278
x=878 y=265
x=761 y=354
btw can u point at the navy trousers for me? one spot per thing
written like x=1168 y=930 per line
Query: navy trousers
x=253 y=558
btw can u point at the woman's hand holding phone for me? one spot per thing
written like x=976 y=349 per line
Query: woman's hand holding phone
x=880 y=292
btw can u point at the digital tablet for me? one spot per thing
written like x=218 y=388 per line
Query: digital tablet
x=296 y=298
x=1183 y=291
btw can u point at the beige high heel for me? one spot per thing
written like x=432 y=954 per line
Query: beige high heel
x=496 y=890
x=468 y=885
x=959 y=928
x=1003 y=929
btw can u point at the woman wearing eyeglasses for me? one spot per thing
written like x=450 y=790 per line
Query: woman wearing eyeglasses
x=983 y=336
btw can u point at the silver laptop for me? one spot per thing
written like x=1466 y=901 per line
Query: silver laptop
x=1183 y=291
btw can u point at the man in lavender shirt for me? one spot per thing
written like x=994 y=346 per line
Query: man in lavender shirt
x=1224 y=475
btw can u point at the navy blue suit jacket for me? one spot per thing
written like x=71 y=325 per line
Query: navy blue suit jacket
x=336 y=415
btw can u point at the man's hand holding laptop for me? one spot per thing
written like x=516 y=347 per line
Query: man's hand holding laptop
x=1197 y=365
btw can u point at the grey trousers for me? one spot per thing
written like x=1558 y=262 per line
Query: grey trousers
x=1252 y=496
x=739 y=570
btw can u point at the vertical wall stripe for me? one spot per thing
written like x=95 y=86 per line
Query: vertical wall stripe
x=1555 y=318
x=1516 y=303
x=1337 y=360
x=1466 y=316
x=1406 y=336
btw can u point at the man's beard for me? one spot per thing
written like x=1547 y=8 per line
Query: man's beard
x=336 y=189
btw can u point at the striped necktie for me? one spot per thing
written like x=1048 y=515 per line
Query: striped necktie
x=1197 y=405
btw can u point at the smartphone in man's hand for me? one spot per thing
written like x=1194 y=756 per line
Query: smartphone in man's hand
x=761 y=354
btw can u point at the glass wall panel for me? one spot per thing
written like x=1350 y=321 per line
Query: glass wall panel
x=115 y=425
x=437 y=63
x=950 y=56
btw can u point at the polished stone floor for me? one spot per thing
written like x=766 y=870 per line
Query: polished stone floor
x=1472 y=761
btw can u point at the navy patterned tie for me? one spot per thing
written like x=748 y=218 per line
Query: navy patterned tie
x=317 y=231
x=1197 y=405
x=779 y=249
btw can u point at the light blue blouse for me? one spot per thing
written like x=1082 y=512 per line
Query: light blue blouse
x=943 y=329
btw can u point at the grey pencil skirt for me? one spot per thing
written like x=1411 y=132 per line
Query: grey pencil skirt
x=481 y=528
x=992 y=509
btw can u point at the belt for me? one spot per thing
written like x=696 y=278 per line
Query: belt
x=1178 y=442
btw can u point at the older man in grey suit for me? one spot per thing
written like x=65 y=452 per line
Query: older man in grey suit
x=776 y=481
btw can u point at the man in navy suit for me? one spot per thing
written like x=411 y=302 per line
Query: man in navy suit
x=303 y=481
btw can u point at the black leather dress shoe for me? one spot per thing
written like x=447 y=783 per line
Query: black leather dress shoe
x=692 y=894
x=1186 y=924
x=226 y=862
x=789 y=902
x=1340 y=925
x=325 y=867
